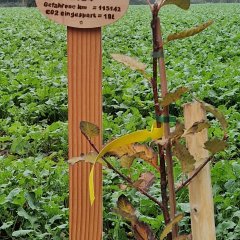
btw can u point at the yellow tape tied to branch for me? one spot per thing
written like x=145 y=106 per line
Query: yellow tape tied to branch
x=138 y=136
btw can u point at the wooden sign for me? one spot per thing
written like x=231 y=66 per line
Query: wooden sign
x=83 y=13
x=84 y=19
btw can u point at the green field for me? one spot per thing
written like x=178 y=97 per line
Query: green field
x=33 y=113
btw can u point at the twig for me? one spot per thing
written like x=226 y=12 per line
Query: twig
x=127 y=179
x=169 y=160
x=196 y=172
x=150 y=5
x=158 y=112
x=160 y=3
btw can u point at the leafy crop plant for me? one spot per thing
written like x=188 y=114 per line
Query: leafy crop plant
x=158 y=145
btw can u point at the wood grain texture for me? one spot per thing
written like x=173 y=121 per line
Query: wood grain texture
x=85 y=104
x=200 y=188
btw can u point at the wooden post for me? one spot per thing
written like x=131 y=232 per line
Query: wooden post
x=200 y=188
x=85 y=104
x=84 y=20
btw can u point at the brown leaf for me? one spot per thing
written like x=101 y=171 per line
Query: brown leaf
x=75 y=160
x=162 y=142
x=184 y=4
x=136 y=150
x=189 y=32
x=217 y=114
x=123 y=151
x=142 y=231
x=126 y=209
x=183 y=237
x=89 y=129
x=89 y=158
x=184 y=156
x=173 y=97
x=145 y=181
x=170 y=225
x=129 y=62
x=123 y=187
x=147 y=154
x=178 y=132
x=215 y=145
x=197 y=127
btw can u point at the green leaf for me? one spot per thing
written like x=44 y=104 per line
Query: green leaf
x=173 y=97
x=184 y=4
x=189 y=32
x=13 y=194
x=54 y=218
x=30 y=197
x=3 y=199
x=22 y=213
x=170 y=225
x=6 y=225
x=21 y=233
x=215 y=145
x=184 y=156
x=89 y=129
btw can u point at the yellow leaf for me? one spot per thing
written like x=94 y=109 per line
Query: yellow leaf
x=184 y=4
x=129 y=62
x=197 y=127
x=170 y=225
x=189 y=32
x=173 y=97
x=138 y=136
x=89 y=129
x=127 y=161
x=184 y=156
x=215 y=145
x=217 y=114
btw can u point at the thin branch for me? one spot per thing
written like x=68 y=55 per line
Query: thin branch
x=196 y=172
x=127 y=179
x=150 y=5
x=160 y=4
x=158 y=112
x=169 y=160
